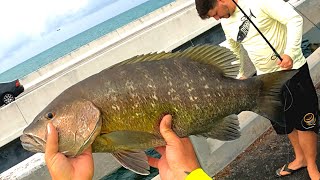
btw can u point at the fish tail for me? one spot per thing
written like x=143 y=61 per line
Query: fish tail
x=269 y=104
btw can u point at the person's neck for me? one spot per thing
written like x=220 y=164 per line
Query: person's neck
x=233 y=6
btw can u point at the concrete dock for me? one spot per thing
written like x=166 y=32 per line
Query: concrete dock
x=262 y=159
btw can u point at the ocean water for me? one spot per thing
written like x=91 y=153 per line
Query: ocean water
x=81 y=39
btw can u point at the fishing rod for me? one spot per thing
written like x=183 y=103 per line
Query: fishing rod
x=273 y=49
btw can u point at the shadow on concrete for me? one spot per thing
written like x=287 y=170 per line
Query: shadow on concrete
x=12 y=154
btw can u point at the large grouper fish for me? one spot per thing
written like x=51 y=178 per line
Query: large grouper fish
x=119 y=109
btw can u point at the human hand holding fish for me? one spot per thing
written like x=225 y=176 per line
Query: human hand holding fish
x=62 y=167
x=178 y=158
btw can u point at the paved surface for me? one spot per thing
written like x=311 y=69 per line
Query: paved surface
x=261 y=160
x=12 y=154
x=263 y=157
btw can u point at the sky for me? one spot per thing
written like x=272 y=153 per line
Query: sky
x=29 y=27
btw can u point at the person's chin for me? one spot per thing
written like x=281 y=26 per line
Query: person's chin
x=228 y=15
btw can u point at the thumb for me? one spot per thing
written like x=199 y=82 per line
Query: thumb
x=278 y=61
x=52 y=142
x=165 y=129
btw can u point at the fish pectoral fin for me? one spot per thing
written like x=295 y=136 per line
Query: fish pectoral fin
x=226 y=130
x=136 y=161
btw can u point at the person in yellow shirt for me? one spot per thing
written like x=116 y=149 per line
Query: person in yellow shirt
x=178 y=160
x=281 y=26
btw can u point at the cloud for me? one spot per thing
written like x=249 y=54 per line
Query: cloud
x=29 y=27
x=25 y=20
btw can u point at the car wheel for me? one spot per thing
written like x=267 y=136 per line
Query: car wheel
x=8 y=98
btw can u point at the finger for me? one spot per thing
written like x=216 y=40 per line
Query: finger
x=283 y=65
x=153 y=162
x=279 y=62
x=166 y=131
x=52 y=142
x=284 y=68
x=87 y=151
x=161 y=150
x=186 y=140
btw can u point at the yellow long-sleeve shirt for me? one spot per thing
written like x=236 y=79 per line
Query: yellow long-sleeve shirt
x=198 y=174
x=279 y=23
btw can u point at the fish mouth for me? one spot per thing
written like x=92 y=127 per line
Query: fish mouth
x=32 y=143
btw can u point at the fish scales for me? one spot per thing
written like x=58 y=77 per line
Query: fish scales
x=144 y=92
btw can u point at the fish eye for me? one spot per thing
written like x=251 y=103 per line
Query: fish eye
x=50 y=115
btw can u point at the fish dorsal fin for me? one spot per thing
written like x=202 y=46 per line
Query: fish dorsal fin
x=219 y=56
x=145 y=57
x=136 y=161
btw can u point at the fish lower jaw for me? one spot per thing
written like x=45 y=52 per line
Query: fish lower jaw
x=31 y=148
x=32 y=143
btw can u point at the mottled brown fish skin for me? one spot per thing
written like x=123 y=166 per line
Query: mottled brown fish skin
x=119 y=109
x=136 y=96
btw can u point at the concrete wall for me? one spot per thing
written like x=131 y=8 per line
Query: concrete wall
x=314 y=66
